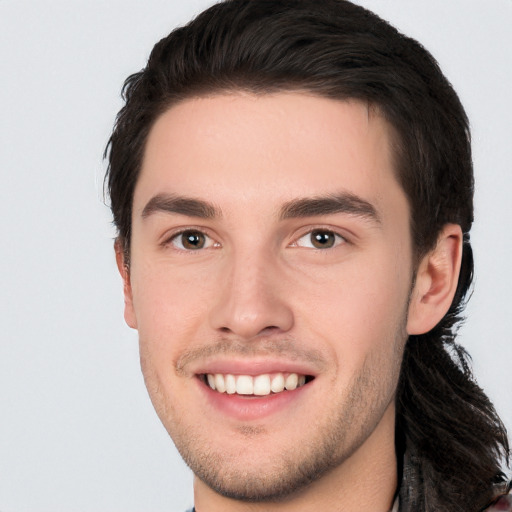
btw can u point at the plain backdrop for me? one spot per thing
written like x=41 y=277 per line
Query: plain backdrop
x=77 y=430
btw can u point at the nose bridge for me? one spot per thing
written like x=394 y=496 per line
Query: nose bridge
x=251 y=297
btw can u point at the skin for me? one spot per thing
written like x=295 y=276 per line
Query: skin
x=259 y=294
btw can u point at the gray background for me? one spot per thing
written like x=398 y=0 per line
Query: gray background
x=77 y=431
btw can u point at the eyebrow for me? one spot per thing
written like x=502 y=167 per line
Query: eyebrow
x=297 y=208
x=337 y=203
x=170 y=203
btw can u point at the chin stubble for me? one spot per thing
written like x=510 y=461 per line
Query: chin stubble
x=334 y=439
x=293 y=469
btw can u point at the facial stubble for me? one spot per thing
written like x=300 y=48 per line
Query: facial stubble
x=334 y=439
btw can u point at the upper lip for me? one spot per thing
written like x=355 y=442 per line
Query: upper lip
x=253 y=366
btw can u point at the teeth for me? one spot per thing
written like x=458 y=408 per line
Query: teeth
x=230 y=384
x=244 y=385
x=291 y=382
x=278 y=383
x=219 y=383
x=260 y=385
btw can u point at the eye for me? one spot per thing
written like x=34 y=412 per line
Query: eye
x=320 y=239
x=191 y=240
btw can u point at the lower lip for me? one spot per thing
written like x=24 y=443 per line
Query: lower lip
x=247 y=408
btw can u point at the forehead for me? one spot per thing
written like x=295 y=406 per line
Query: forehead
x=237 y=147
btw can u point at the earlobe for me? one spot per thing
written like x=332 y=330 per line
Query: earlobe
x=436 y=281
x=129 y=312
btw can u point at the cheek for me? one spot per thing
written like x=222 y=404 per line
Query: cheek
x=169 y=305
x=360 y=308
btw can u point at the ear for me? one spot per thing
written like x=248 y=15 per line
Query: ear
x=124 y=270
x=436 y=281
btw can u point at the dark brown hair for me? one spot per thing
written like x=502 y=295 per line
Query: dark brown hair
x=452 y=441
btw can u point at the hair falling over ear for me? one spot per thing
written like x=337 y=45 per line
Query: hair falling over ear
x=453 y=441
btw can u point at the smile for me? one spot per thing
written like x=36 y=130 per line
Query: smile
x=256 y=385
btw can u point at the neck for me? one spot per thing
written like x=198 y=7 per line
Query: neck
x=367 y=480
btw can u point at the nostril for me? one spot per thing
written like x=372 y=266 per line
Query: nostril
x=269 y=329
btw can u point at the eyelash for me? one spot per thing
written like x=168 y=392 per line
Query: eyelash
x=210 y=243
x=338 y=239
x=193 y=231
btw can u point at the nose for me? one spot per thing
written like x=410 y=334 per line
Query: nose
x=252 y=298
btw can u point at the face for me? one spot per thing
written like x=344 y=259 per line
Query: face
x=269 y=282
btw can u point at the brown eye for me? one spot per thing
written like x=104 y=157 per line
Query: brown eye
x=190 y=240
x=320 y=239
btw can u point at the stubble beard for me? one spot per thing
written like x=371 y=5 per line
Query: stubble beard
x=358 y=411
x=289 y=472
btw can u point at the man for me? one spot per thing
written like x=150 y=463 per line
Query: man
x=292 y=185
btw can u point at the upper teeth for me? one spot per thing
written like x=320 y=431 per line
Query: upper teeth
x=260 y=385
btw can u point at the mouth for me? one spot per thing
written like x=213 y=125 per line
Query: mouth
x=255 y=385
